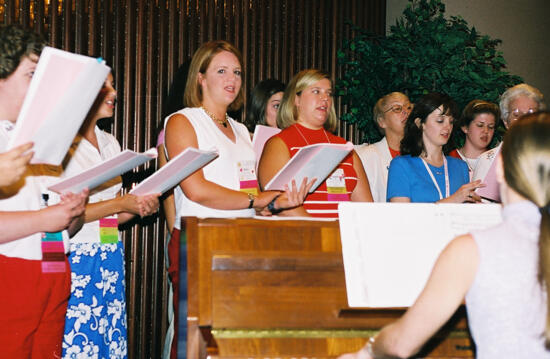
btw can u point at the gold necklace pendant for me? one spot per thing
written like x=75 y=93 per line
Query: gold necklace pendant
x=212 y=116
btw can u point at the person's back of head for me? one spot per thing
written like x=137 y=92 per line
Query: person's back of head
x=15 y=44
x=526 y=162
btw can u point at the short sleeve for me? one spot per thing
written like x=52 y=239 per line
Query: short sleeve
x=465 y=173
x=398 y=183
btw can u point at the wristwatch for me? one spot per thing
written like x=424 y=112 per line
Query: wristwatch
x=251 y=199
x=271 y=205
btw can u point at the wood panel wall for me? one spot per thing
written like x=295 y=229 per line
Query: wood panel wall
x=145 y=42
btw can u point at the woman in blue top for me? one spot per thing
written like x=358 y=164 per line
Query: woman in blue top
x=423 y=173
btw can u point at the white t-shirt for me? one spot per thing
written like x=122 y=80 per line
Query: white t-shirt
x=223 y=170
x=26 y=195
x=83 y=155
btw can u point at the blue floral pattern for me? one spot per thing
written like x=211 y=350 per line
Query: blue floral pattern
x=95 y=324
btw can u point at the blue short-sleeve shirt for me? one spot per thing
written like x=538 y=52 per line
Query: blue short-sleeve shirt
x=407 y=177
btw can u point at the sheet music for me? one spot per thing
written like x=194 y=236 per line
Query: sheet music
x=103 y=172
x=62 y=91
x=313 y=161
x=389 y=249
x=176 y=170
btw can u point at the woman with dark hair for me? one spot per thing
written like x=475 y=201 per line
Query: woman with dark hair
x=502 y=272
x=264 y=103
x=475 y=129
x=423 y=173
x=96 y=312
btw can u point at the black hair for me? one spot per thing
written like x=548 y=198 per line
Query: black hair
x=255 y=113
x=412 y=142
x=16 y=43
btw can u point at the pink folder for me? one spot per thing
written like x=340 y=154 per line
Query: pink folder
x=62 y=91
x=261 y=135
x=491 y=191
x=313 y=161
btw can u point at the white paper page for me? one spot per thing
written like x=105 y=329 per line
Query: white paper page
x=463 y=219
x=389 y=249
x=62 y=91
x=177 y=169
x=103 y=172
x=313 y=161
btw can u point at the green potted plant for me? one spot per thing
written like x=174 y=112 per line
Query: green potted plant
x=423 y=52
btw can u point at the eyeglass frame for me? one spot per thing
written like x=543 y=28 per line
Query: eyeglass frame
x=517 y=113
x=409 y=108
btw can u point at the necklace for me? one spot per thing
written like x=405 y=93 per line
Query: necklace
x=301 y=134
x=212 y=116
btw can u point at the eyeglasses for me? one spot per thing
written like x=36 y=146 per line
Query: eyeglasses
x=517 y=113
x=400 y=108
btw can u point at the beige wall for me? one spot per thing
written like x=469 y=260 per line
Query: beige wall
x=522 y=25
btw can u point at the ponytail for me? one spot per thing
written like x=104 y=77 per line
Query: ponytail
x=526 y=162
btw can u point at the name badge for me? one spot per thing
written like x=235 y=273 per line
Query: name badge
x=248 y=181
x=336 y=186
x=108 y=230
x=53 y=253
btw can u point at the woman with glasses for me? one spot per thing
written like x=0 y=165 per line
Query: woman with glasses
x=515 y=102
x=307 y=117
x=423 y=173
x=475 y=129
x=390 y=113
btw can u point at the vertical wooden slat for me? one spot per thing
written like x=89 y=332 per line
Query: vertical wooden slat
x=145 y=42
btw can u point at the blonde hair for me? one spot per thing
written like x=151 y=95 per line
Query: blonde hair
x=379 y=109
x=526 y=162
x=288 y=113
x=199 y=64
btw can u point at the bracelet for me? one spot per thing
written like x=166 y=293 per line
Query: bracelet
x=251 y=199
x=271 y=206
x=368 y=347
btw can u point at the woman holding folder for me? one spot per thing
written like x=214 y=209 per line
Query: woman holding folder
x=503 y=272
x=96 y=314
x=307 y=116
x=423 y=173
x=227 y=186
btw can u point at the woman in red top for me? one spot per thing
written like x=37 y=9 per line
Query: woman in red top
x=307 y=116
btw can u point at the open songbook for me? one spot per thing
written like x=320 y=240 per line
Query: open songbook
x=313 y=161
x=176 y=170
x=488 y=175
x=389 y=249
x=261 y=135
x=62 y=91
x=103 y=172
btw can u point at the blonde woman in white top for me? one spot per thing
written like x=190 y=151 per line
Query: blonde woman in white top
x=227 y=186
x=390 y=113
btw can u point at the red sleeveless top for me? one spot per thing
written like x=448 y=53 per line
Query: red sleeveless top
x=321 y=203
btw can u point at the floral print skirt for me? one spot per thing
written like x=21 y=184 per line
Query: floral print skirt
x=95 y=324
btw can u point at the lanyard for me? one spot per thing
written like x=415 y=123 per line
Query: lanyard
x=447 y=189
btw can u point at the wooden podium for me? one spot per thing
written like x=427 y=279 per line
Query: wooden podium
x=276 y=289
